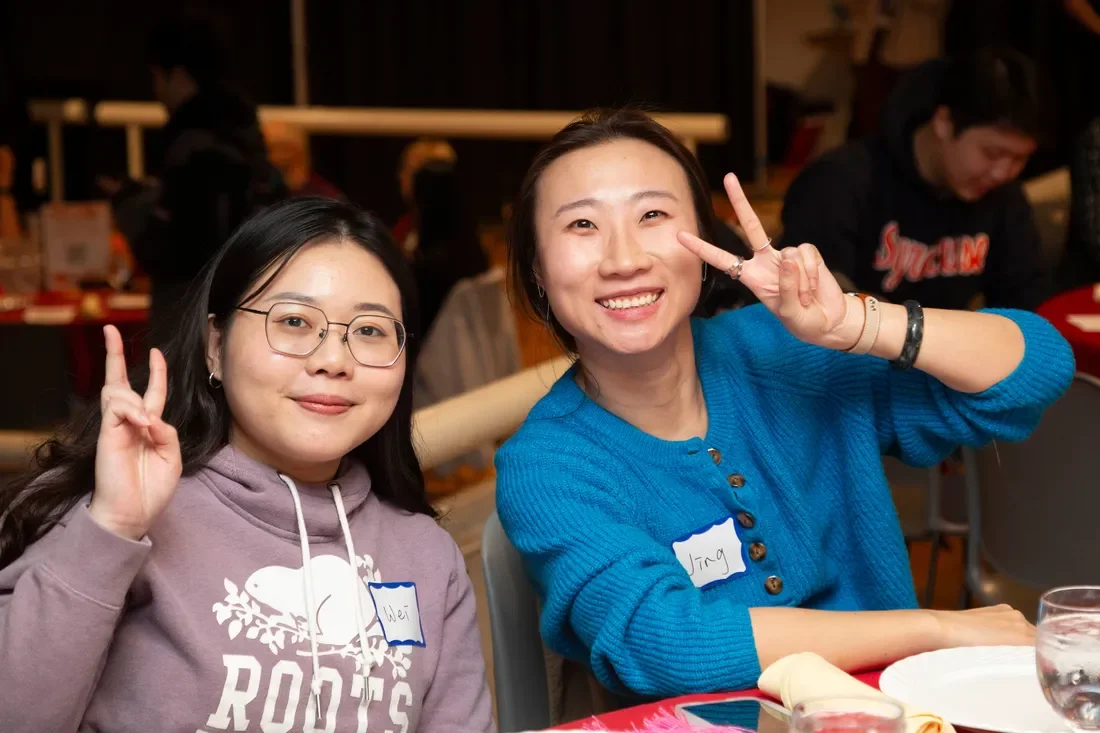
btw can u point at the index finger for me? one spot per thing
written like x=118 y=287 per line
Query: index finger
x=750 y=223
x=116 y=357
x=716 y=257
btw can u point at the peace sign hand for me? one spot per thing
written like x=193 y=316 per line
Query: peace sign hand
x=793 y=282
x=137 y=463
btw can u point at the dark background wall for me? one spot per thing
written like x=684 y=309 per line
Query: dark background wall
x=498 y=54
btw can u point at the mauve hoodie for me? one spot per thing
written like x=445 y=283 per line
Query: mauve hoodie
x=210 y=624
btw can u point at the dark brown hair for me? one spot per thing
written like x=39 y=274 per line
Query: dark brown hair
x=596 y=127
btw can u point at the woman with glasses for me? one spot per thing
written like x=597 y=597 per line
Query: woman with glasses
x=238 y=537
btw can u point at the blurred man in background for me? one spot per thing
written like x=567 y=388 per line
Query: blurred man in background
x=930 y=209
x=214 y=173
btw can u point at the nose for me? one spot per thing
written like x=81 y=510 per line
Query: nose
x=332 y=357
x=624 y=255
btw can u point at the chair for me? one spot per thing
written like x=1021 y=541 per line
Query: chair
x=918 y=494
x=1034 y=504
x=519 y=665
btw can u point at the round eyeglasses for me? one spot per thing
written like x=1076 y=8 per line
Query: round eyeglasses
x=295 y=329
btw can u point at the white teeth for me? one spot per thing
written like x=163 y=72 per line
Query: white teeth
x=636 y=301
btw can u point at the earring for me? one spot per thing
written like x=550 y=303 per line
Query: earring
x=542 y=293
x=213 y=381
x=704 y=272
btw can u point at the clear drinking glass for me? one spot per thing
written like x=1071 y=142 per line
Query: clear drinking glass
x=1068 y=654
x=848 y=715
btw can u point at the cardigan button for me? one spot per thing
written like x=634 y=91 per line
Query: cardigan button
x=757 y=551
x=715 y=454
x=746 y=520
x=774 y=585
x=736 y=480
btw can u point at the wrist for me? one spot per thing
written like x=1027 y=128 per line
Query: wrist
x=848 y=333
x=125 y=530
x=891 y=335
x=932 y=629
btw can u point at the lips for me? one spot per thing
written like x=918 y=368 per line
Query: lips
x=323 y=404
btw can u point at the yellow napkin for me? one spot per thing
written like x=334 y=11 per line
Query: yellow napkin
x=806 y=676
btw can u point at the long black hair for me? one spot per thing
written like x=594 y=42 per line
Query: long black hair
x=64 y=467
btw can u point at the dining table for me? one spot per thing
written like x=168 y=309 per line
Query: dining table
x=1076 y=315
x=53 y=341
x=637 y=718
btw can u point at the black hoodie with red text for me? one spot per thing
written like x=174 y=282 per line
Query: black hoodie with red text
x=878 y=222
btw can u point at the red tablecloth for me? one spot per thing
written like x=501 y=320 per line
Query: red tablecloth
x=1086 y=346
x=626 y=720
x=84 y=336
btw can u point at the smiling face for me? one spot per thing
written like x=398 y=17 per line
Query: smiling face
x=606 y=220
x=302 y=414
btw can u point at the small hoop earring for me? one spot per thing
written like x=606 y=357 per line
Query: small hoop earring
x=542 y=293
x=213 y=381
x=704 y=272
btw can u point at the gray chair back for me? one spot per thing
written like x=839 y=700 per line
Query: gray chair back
x=1038 y=500
x=519 y=664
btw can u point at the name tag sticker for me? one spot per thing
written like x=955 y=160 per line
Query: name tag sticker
x=712 y=554
x=399 y=613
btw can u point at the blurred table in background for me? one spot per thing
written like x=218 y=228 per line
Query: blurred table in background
x=54 y=354
x=1076 y=314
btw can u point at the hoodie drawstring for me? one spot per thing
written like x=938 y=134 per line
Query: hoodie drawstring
x=311 y=608
x=357 y=585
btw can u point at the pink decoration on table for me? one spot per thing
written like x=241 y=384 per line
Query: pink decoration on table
x=662 y=722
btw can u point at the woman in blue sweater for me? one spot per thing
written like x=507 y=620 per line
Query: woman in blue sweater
x=695 y=498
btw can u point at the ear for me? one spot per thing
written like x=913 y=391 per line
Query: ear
x=215 y=339
x=942 y=125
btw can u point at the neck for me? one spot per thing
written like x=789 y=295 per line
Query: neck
x=658 y=392
x=301 y=473
x=926 y=155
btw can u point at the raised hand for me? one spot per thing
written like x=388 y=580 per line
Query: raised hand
x=793 y=282
x=138 y=464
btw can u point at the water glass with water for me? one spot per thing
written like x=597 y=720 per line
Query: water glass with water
x=1068 y=654
x=848 y=715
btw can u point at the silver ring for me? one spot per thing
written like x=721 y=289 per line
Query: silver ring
x=763 y=246
x=739 y=265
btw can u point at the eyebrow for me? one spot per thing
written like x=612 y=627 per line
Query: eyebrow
x=581 y=203
x=310 y=300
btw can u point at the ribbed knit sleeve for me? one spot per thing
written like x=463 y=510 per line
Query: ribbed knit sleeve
x=916 y=417
x=921 y=420
x=612 y=595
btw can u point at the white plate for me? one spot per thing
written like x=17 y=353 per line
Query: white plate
x=990 y=688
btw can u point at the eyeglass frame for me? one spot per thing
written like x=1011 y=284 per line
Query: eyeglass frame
x=347 y=329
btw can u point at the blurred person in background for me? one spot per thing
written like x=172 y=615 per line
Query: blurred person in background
x=288 y=149
x=930 y=208
x=214 y=172
x=1081 y=262
x=415 y=155
x=449 y=249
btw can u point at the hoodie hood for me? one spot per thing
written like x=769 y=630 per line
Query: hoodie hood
x=910 y=105
x=257 y=492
